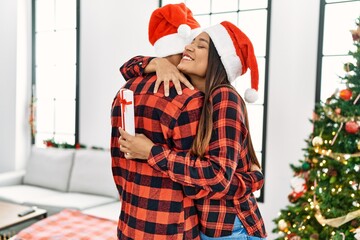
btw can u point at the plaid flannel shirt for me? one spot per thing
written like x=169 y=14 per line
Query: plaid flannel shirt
x=240 y=187
x=153 y=206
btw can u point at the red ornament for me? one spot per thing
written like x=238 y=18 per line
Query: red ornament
x=293 y=197
x=293 y=236
x=338 y=111
x=345 y=94
x=351 y=127
x=77 y=146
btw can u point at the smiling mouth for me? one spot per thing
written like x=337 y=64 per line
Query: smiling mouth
x=187 y=58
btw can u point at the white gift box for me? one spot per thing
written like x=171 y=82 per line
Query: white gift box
x=127 y=110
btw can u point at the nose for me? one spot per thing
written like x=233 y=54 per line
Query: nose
x=189 y=48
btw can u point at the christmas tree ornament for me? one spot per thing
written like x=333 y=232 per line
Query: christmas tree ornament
x=315 y=160
x=337 y=133
x=356 y=99
x=314 y=236
x=355 y=223
x=338 y=111
x=354 y=185
x=317 y=141
x=305 y=166
x=298 y=184
x=358 y=145
x=332 y=172
x=282 y=225
x=345 y=94
x=333 y=179
x=357 y=234
x=352 y=127
x=293 y=236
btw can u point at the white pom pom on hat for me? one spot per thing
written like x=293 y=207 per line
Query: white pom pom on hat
x=251 y=95
x=171 y=28
x=237 y=54
x=184 y=31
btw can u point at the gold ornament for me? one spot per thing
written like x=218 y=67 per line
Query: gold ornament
x=282 y=224
x=317 y=141
x=358 y=145
x=315 y=160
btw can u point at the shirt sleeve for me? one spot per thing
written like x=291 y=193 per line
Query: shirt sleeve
x=242 y=184
x=215 y=170
x=135 y=67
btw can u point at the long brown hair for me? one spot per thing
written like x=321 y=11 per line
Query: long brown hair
x=215 y=77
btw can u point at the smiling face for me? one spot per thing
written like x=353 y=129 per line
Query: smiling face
x=195 y=59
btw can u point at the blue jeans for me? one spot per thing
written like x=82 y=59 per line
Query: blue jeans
x=239 y=233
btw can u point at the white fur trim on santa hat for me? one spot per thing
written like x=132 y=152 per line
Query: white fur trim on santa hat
x=175 y=43
x=225 y=47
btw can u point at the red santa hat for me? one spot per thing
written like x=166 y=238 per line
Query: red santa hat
x=171 y=28
x=237 y=54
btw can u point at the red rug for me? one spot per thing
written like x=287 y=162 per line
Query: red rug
x=70 y=224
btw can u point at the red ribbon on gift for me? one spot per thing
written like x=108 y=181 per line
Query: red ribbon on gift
x=123 y=103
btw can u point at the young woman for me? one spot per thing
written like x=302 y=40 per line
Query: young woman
x=222 y=146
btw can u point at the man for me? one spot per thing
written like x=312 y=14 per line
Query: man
x=153 y=206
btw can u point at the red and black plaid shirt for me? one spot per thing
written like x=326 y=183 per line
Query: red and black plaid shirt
x=218 y=219
x=226 y=156
x=154 y=206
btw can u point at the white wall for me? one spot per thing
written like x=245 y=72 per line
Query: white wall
x=111 y=34
x=115 y=30
x=292 y=73
x=8 y=21
x=15 y=81
x=23 y=83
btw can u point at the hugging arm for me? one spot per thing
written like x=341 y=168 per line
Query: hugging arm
x=242 y=184
x=135 y=67
x=165 y=71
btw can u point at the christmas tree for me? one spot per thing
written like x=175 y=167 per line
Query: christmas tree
x=325 y=197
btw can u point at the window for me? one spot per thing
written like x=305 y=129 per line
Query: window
x=337 y=17
x=55 y=70
x=242 y=13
